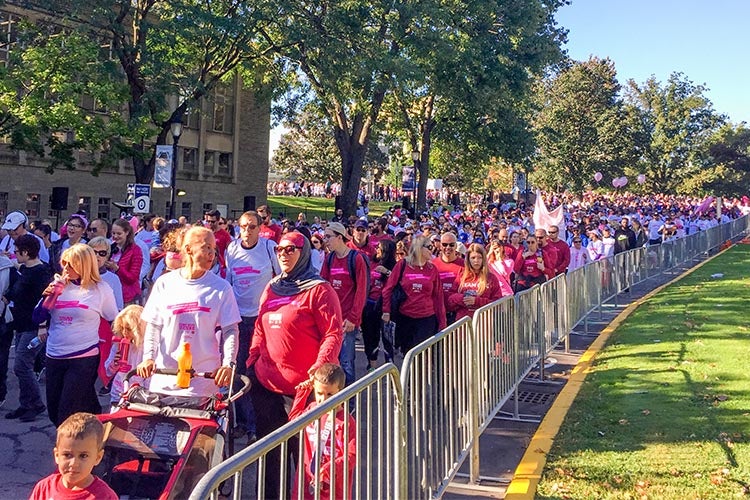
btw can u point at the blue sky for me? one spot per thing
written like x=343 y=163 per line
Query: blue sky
x=705 y=40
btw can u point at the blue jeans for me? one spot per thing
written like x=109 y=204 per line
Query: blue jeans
x=29 y=395
x=243 y=407
x=346 y=356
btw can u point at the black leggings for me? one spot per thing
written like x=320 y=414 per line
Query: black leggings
x=413 y=331
x=371 y=326
x=70 y=387
x=272 y=412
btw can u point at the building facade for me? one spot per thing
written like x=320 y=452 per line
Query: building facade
x=222 y=158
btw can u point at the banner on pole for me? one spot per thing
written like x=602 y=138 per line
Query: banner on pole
x=163 y=167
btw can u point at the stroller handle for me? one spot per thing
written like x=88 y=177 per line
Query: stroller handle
x=193 y=374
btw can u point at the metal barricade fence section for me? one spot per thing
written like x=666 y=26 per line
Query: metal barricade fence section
x=496 y=358
x=527 y=327
x=414 y=429
x=294 y=462
x=437 y=377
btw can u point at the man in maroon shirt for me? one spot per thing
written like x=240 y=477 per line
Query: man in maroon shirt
x=361 y=240
x=549 y=252
x=352 y=293
x=223 y=238
x=268 y=229
x=562 y=248
x=450 y=266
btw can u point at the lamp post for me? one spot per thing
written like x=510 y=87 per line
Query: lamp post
x=415 y=158
x=176 y=129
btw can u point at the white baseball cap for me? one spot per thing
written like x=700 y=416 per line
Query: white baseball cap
x=15 y=219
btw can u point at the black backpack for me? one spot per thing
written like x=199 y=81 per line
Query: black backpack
x=351 y=261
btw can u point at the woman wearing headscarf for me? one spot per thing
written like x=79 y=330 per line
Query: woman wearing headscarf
x=299 y=328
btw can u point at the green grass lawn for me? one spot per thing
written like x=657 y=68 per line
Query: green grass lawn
x=665 y=413
x=312 y=206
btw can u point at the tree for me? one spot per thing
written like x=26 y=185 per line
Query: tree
x=345 y=53
x=169 y=54
x=580 y=126
x=471 y=72
x=725 y=162
x=308 y=151
x=44 y=89
x=670 y=123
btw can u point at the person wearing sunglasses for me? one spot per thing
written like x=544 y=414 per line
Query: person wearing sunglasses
x=317 y=251
x=422 y=314
x=75 y=233
x=450 y=266
x=477 y=287
x=298 y=330
x=361 y=240
x=251 y=264
x=97 y=227
x=561 y=248
x=269 y=230
x=579 y=255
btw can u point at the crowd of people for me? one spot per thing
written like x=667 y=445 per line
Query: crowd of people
x=282 y=301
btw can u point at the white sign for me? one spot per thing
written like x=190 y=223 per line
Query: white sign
x=434 y=183
x=141 y=199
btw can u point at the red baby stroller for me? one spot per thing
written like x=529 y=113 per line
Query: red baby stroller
x=158 y=446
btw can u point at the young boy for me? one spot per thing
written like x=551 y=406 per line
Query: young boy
x=78 y=450
x=328 y=380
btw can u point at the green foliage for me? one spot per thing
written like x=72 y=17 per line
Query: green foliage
x=670 y=124
x=663 y=413
x=725 y=157
x=580 y=126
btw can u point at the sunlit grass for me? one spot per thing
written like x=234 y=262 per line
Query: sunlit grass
x=291 y=206
x=665 y=413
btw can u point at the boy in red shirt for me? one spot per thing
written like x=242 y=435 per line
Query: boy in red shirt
x=77 y=451
x=328 y=380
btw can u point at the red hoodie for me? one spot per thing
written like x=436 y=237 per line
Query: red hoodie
x=294 y=334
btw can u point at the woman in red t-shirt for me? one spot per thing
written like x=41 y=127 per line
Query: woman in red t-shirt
x=477 y=285
x=530 y=266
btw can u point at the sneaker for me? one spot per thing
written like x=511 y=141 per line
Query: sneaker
x=15 y=413
x=104 y=391
x=30 y=415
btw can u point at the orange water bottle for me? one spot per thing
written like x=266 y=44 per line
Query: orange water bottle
x=184 y=366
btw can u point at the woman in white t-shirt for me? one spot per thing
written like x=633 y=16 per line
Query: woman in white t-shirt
x=191 y=305
x=73 y=334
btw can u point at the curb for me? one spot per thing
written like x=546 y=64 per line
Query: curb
x=529 y=471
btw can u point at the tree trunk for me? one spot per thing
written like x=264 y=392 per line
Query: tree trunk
x=428 y=125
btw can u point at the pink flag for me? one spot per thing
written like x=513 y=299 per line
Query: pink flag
x=705 y=204
x=543 y=218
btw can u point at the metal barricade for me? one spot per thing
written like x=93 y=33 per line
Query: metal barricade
x=437 y=379
x=528 y=330
x=378 y=426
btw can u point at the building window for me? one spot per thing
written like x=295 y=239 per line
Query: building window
x=225 y=164
x=103 y=209
x=3 y=204
x=223 y=108
x=32 y=204
x=209 y=159
x=84 y=203
x=8 y=34
x=207 y=207
x=188 y=159
x=186 y=210
x=191 y=118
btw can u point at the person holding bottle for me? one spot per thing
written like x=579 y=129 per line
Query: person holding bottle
x=75 y=304
x=25 y=290
x=191 y=305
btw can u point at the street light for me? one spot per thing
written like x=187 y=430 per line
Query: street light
x=415 y=158
x=176 y=129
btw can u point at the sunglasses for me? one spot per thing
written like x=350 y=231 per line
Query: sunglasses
x=287 y=250
x=447 y=245
x=577 y=241
x=91 y=230
x=361 y=229
x=248 y=227
x=75 y=226
x=429 y=247
x=101 y=253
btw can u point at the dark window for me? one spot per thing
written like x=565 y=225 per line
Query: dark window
x=3 y=204
x=32 y=204
x=225 y=164
x=103 y=209
x=188 y=159
x=84 y=203
x=209 y=159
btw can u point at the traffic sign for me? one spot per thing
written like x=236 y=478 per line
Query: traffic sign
x=141 y=198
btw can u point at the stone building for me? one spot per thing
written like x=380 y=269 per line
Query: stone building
x=222 y=157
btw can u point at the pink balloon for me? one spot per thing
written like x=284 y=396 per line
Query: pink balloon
x=598 y=176
x=616 y=183
x=623 y=181
x=641 y=178
x=134 y=223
